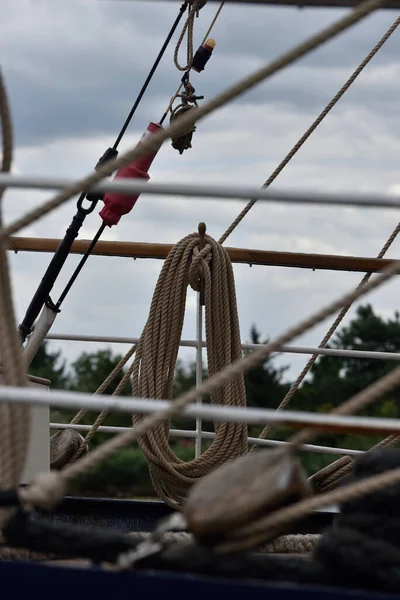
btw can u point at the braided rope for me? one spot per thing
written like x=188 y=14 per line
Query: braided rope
x=188 y=26
x=157 y=351
x=14 y=420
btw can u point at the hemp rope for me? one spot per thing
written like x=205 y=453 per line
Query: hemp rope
x=157 y=352
x=14 y=420
x=152 y=143
x=189 y=26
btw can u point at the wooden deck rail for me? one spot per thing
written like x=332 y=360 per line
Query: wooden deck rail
x=331 y=262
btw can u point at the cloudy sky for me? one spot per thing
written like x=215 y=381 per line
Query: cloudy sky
x=73 y=70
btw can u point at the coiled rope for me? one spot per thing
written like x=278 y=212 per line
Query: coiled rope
x=156 y=356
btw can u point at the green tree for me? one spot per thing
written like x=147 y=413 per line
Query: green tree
x=335 y=379
x=50 y=365
x=264 y=384
x=91 y=369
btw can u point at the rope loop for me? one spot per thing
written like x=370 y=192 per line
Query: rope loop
x=201 y=260
x=157 y=351
x=193 y=11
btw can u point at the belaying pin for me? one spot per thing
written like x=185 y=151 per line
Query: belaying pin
x=203 y=55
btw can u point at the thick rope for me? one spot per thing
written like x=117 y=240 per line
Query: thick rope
x=157 y=351
x=14 y=419
x=152 y=143
x=188 y=26
x=330 y=477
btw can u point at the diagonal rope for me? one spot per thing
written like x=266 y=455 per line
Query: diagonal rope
x=191 y=117
x=312 y=128
x=14 y=420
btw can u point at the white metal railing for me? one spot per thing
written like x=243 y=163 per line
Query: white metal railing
x=209 y=435
x=193 y=344
x=222 y=192
x=231 y=414
x=198 y=434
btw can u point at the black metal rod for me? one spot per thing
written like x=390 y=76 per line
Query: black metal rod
x=151 y=73
x=62 y=252
x=80 y=265
x=54 y=268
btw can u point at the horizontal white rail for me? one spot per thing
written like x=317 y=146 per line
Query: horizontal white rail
x=253 y=416
x=223 y=192
x=209 y=435
x=192 y=344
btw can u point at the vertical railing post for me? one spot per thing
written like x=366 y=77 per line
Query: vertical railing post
x=199 y=345
x=199 y=370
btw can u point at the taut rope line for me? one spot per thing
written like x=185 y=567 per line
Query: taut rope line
x=14 y=420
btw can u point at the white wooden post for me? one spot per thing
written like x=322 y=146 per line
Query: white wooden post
x=38 y=459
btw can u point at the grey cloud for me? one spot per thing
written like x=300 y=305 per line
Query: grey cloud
x=81 y=75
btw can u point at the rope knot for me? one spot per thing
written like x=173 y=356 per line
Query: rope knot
x=200 y=261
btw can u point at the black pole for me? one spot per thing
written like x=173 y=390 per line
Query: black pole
x=150 y=75
x=60 y=256
x=80 y=265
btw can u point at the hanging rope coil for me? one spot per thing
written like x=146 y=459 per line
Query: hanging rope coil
x=157 y=351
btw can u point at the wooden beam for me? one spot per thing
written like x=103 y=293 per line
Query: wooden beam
x=331 y=262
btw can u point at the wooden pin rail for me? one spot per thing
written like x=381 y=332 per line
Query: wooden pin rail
x=331 y=262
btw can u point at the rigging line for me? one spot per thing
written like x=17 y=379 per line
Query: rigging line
x=42 y=293
x=312 y=128
x=14 y=424
x=80 y=265
x=210 y=28
x=295 y=386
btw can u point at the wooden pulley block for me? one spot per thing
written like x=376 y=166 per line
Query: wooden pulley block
x=242 y=491
x=63 y=446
